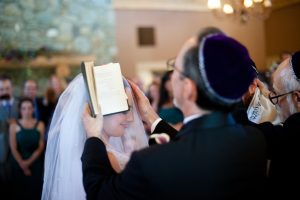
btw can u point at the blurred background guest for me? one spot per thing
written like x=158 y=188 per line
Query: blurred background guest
x=57 y=84
x=153 y=94
x=166 y=109
x=27 y=144
x=8 y=113
x=30 y=90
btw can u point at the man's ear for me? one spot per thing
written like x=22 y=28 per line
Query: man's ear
x=296 y=98
x=297 y=95
x=190 y=89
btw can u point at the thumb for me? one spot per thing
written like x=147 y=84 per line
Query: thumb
x=86 y=110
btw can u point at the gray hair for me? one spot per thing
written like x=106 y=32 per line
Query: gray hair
x=289 y=83
x=289 y=80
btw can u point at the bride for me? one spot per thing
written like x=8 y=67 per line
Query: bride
x=123 y=133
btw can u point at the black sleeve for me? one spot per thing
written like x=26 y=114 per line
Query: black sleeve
x=101 y=182
x=163 y=127
x=96 y=167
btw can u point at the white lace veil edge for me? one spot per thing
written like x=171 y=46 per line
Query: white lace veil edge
x=66 y=138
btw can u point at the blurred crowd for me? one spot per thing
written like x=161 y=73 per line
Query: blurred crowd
x=24 y=122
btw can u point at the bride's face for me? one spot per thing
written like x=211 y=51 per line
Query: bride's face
x=115 y=125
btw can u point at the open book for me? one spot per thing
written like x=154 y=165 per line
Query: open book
x=105 y=88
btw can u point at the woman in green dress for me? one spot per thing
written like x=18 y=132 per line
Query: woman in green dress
x=27 y=144
x=166 y=108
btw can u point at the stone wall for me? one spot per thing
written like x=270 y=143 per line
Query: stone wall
x=76 y=26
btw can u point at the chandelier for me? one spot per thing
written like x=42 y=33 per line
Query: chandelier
x=243 y=9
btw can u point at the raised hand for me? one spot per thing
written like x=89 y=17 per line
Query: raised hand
x=146 y=111
x=262 y=87
x=92 y=126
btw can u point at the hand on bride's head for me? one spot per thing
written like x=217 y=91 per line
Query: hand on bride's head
x=92 y=126
x=146 y=111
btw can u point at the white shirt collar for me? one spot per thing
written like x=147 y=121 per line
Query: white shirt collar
x=10 y=101
x=190 y=118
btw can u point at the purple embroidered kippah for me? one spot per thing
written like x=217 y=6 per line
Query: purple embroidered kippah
x=225 y=67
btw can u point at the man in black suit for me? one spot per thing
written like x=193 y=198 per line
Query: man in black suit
x=212 y=157
x=283 y=141
x=30 y=89
x=8 y=113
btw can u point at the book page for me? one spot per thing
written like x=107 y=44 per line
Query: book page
x=110 y=89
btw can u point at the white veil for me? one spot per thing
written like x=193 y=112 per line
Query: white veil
x=66 y=138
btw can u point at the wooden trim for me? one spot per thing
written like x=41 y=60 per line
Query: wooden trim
x=179 y=5
x=53 y=61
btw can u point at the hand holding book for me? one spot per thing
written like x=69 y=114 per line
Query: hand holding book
x=93 y=126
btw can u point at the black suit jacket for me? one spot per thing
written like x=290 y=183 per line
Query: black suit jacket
x=283 y=150
x=284 y=173
x=212 y=158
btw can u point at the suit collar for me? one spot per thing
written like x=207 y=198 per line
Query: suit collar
x=190 y=118
x=211 y=120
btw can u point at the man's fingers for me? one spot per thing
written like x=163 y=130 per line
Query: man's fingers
x=136 y=90
x=142 y=99
x=132 y=84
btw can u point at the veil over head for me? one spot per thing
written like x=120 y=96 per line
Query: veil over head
x=66 y=138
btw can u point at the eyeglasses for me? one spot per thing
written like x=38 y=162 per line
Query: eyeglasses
x=274 y=97
x=171 y=66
